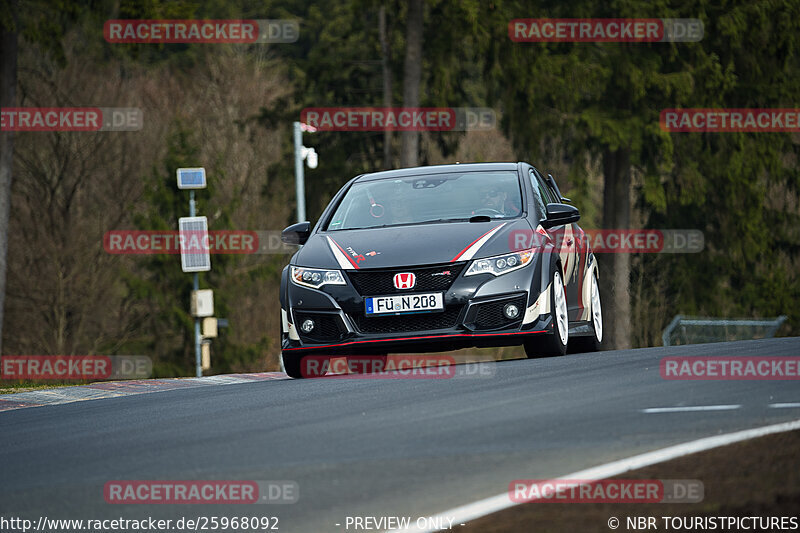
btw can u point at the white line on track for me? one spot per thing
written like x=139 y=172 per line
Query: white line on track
x=691 y=408
x=471 y=511
x=784 y=405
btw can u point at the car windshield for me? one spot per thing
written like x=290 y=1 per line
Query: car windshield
x=429 y=198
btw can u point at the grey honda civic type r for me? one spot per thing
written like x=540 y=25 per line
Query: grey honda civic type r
x=439 y=258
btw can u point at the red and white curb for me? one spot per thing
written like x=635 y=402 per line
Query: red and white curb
x=116 y=389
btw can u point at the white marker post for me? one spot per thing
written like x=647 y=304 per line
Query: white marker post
x=311 y=158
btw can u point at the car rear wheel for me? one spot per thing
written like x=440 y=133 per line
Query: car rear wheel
x=555 y=343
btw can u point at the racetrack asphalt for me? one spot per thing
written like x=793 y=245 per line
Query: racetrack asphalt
x=375 y=447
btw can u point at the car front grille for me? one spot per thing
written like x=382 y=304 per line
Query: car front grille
x=409 y=323
x=381 y=282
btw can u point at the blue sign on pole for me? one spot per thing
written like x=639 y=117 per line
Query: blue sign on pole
x=191 y=178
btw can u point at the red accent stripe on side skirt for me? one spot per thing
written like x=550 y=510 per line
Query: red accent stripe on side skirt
x=414 y=338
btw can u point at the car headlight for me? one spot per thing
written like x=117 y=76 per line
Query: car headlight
x=316 y=278
x=500 y=264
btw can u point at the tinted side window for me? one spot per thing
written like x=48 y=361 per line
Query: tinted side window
x=537 y=196
x=544 y=190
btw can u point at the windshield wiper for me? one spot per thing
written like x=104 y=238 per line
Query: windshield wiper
x=479 y=218
x=437 y=221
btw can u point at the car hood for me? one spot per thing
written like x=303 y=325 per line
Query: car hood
x=402 y=246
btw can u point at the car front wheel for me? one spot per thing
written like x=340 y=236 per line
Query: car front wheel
x=555 y=343
x=592 y=342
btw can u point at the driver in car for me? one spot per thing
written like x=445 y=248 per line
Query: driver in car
x=494 y=203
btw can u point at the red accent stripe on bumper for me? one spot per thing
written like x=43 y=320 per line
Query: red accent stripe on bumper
x=350 y=343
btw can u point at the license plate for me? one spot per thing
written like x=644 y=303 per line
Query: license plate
x=405 y=303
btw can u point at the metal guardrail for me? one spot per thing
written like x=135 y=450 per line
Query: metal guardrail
x=771 y=326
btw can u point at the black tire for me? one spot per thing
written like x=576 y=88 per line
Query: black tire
x=593 y=342
x=550 y=344
x=305 y=366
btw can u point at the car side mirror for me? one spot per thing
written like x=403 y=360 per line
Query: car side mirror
x=560 y=214
x=296 y=233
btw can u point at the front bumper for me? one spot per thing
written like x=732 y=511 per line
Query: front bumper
x=472 y=315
